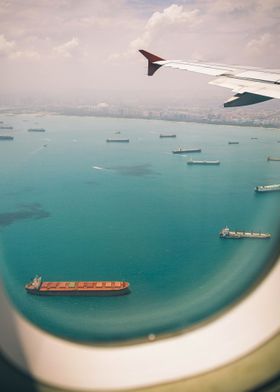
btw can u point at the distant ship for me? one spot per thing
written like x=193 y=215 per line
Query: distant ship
x=273 y=159
x=254 y=138
x=267 y=188
x=36 y=130
x=186 y=150
x=226 y=233
x=6 y=137
x=162 y=135
x=101 y=288
x=5 y=127
x=114 y=140
x=233 y=142
x=192 y=162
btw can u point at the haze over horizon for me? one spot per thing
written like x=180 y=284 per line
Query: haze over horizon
x=89 y=49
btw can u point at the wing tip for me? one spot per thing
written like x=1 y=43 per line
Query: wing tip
x=152 y=68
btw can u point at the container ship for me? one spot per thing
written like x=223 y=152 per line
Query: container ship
x=273 y=159
x=192 y=162
x=162 y=135
x=100 y=288
x=267 y=188
x=226 y=233
x=4 y=137
x=181 y=150
x=114 y=140
x=36 y=130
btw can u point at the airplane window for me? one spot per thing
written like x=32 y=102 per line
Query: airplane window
x=76 y=207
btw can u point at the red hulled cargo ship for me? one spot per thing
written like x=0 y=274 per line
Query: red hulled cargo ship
x=102 y=288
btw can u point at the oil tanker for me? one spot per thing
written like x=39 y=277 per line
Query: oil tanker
x=101 y=288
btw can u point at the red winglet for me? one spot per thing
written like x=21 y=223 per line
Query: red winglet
x=152 y=68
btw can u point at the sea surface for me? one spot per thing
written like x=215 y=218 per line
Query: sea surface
x=74 y=207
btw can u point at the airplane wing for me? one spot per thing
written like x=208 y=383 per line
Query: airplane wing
x=250 y=85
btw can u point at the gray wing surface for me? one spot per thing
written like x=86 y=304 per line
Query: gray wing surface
x=249 y=84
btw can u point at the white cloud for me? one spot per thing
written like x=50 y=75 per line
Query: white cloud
x=10 y=50
x=173 y=17
x=67 y=49
x=6 y=47
x=260 y=45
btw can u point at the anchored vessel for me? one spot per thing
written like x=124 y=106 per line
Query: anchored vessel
x=38 y=287
x=167 y=135
x=192 y=162
x=114 y=140
x=36 y=130
x=226 y=233
x=267 y=188
x=4 y=137
x=273 y=159
x=181 y=150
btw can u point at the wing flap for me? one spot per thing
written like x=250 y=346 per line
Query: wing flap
x=242 y=85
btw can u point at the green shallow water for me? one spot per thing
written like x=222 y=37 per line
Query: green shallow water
x=84 y=209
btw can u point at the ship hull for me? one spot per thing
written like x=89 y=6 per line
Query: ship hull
x=185 y=151
x=203 y=163
x=117 y=140
x=81 y=293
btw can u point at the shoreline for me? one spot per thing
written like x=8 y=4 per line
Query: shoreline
x=12 y=112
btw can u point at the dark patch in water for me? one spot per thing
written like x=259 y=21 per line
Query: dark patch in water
x=92 y=182
x=26 y=211
x=18 y=192
x=135 y=170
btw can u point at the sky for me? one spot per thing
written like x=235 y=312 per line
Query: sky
x=60 y=48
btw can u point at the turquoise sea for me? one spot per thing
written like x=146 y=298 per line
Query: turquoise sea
x=74 y=207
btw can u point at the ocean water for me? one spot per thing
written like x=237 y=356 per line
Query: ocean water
x=74 y=207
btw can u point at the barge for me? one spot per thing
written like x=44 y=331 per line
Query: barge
x=192 y=162
x=162 y=135
x=273 y=159
x=181 y=150
x=226 y=233
x=36 y=130
x=114 y=140
x=98 y=288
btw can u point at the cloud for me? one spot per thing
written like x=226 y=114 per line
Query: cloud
x=173 y=17
x=260 y=45
x=10 y=50
x=6 y=47
x=67 y=49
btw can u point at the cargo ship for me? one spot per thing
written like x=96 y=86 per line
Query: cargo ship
x=233 y=142
x=162 y=135
x=6 y=127
x=181 y=150
x=4 y=137
x=192 y=162
x=99 y=288
x=273 y=159
x=36 y=130
x=226 y=233
x=114 y=140
x=267 y=188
